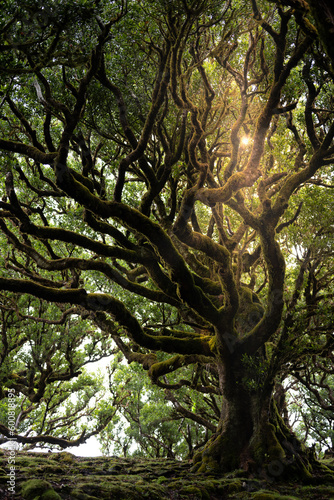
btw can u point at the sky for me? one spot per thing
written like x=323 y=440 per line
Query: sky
x=90 y=449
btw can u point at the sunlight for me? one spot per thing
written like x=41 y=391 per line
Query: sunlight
x=245 y=140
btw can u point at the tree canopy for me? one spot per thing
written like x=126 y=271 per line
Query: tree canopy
x=167 y=195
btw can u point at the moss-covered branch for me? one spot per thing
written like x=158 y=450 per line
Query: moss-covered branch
x=27 y=150
x=113 y=306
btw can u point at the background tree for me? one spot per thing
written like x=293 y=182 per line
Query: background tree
x=157 y=423
x=152 y=155
x=311 y=374
x=312 y=410
x=43 y=360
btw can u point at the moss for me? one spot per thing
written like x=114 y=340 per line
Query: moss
x=133 y=479
x=307 y=491
x=266 y=446
x=213 y=344
x=328 y=462
x=270 y=495
x=161 y=479
x=235 y=486
x=29 y=461
x=49 y=469
x=38 y=489
x=263 y=496
x=191 y=490
x=63 y=456
x=78 y=494
x=218 y=455
x=228 y=486
x=275 y=450
x=208 y=465
x=146 y=490
x=50 y=495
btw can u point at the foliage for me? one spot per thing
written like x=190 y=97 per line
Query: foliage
x=156 y=423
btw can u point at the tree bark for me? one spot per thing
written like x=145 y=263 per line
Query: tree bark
x=251 y=434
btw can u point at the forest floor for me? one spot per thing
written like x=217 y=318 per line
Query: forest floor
x=63 y=476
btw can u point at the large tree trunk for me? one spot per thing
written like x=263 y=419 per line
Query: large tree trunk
x=251 y=435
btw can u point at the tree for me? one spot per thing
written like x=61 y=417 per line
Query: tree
x=313 y=412
x=155 y=193
x=311 y=376
x=156 y=423
x=43 y=360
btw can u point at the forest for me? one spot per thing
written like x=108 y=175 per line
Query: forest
x=167 y=215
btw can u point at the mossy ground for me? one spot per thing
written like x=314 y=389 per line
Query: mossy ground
x=62 y=476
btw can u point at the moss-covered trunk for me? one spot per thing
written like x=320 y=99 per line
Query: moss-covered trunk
x=252 y=435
